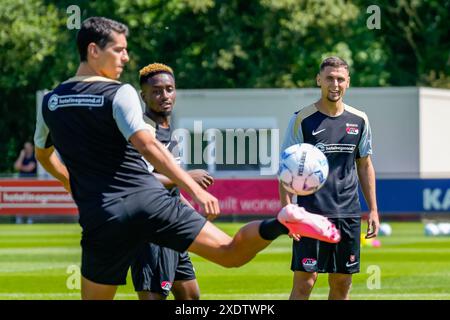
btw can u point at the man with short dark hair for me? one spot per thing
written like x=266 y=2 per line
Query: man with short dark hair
x=96 y=124
x=343 y=134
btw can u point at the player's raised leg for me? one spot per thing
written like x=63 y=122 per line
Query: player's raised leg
x=216 y=246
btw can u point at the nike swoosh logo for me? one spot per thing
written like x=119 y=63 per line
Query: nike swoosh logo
x=317 y=132
x=351 y=264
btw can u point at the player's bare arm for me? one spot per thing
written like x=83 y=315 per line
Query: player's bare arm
x=366 y=174
x=202 y=177
x=48 y=159
x=285 y=196
x=155 y=152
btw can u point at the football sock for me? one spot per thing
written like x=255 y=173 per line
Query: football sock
x=271 y=229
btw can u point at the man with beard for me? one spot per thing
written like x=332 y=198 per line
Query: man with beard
x=343 y=134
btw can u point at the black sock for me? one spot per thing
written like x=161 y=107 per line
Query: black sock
x=271 y=229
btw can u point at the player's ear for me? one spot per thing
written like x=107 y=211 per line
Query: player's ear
x=348 y=82
x=318 y=79
x=92 y=50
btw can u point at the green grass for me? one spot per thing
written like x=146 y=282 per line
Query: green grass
x=34 y=260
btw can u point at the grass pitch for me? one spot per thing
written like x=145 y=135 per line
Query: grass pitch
x=42 y=262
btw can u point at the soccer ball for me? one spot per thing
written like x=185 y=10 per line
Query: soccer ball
x=303 y=169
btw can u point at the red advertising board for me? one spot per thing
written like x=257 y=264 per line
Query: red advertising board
x=35 y=197
x=48 y=197
x=246 y=196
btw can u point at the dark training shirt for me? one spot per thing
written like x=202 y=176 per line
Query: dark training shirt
x=343 y=139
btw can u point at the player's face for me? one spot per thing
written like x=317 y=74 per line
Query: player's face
x=112 y=59
x=159 y=93
x=333 y=82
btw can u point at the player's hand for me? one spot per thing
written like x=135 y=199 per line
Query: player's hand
x=294 y=236
x=373 y=225
x=208 y=203
x=202 y=177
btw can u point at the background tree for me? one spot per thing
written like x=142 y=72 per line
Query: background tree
x=416 y=37
x=222 y=44
x=25 y=55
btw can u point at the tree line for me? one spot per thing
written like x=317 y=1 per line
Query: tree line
x=222 y=44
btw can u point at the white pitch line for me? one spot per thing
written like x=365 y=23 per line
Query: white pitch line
x=243 y=296
x=356 y=296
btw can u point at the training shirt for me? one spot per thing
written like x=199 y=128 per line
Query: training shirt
x=164 y=135
x=342 y=139
x=89 y=121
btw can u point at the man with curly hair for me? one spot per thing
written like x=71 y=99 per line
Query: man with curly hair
x=159 y=270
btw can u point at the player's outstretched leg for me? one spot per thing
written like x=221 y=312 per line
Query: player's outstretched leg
x=216 y=246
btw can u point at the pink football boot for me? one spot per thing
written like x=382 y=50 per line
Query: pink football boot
x=306 y=224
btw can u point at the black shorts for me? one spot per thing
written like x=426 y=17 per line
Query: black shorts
x=109 y=249
x=156 y=268
x=311 y=255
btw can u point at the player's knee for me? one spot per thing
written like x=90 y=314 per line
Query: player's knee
x=194 y=296
x=343 y=284
x=304 y=285
x=187 y=296
x=147 y=295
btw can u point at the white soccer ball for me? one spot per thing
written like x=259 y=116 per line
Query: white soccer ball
x=303 y=169
x=385 y=229
x=431 y=229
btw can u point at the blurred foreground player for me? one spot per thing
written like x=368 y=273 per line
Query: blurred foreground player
x=96 y=125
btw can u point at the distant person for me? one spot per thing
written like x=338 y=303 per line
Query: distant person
x=96 y=124
x=343 y=134
x=26 y=162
